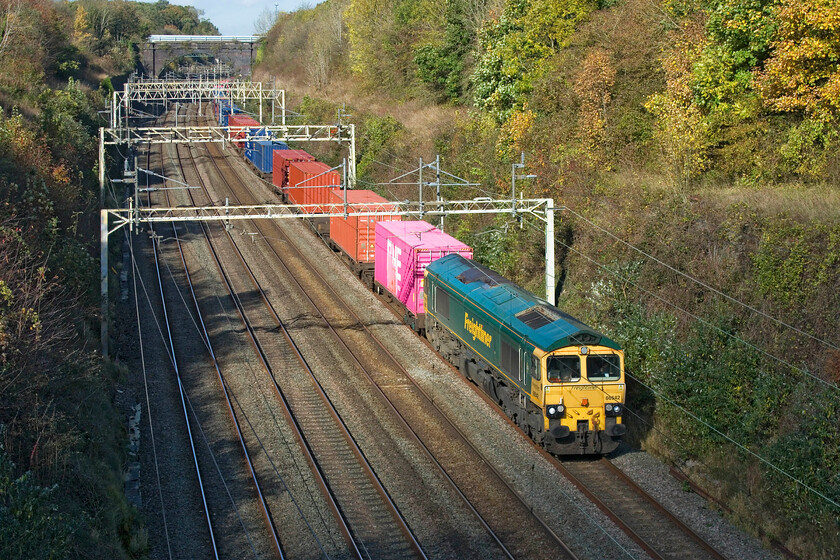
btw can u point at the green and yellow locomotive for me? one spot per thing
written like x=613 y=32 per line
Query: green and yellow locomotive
x=557 y=379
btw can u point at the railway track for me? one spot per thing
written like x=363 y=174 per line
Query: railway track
x=183 y=398
x=209 y=487
x=484 y=490
x=370 y=522
x=411 y=410
x=659 y=532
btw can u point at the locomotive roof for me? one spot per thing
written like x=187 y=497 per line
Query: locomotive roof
x=542 y=324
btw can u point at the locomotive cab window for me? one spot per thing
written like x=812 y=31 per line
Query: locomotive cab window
x=441 y=302
x=535 y=368
x=603 y=367
x=563 y=369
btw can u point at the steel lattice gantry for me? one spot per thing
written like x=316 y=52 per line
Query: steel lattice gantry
x=198 y=134
x=193 y=91
x=542 y=208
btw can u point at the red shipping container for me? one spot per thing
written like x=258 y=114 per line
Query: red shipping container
x=281 y=160
x=241 y=120
x=310 y=182
x=403 y=250
x=356 y=235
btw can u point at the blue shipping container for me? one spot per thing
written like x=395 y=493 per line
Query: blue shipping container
x=261 y=153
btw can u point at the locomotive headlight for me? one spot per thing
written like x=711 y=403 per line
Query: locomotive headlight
x=613 y=409
x=554 y=410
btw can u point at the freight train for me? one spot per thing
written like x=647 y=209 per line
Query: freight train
x=559 y=380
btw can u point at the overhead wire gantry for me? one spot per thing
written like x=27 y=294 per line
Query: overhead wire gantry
x=121 y=133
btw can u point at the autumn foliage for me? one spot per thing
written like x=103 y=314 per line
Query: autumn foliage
x=60 y=479
x=803 y=73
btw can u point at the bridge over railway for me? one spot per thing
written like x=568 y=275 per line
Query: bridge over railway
x=236 y=50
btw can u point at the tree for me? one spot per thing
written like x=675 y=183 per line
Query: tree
x=515 y=47
x=9 y=21
x=680 y=127
x=441 y=64
x=592 y=86
x=31 y=526
x=803 y=73
x=265 y=21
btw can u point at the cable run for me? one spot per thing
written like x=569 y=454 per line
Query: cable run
x=701 y=283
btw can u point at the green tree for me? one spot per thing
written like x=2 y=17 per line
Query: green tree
x=441 y=64
x=514 y=48
x=31 y=526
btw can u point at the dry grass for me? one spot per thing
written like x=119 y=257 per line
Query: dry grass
x=423 y=119
x=803 y=203
x=800 y=202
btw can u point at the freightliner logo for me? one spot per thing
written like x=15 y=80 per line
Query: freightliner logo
x=477 y=331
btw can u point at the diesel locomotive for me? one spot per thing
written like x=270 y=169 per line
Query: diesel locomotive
x=559 y=380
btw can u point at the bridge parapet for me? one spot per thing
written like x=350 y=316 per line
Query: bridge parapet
x=205 y=38
x=236 y=50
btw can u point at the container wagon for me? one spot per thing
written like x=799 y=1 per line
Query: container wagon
x=261 y=154
x=244 y=126
x=353 y=236
x=403 y=250
x=280 y=168
x=309 y=185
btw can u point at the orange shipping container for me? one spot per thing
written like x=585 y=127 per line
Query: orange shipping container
x=310 y=182
x=281 y=161
x=356 y=234
x=238 y=121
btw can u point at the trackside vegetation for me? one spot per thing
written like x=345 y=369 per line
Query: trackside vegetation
x=694 y=148
x=62 y=437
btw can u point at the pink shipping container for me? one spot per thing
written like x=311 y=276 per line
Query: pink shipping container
x=281 y=160
x=310 y=182
x=403 y=250
x=356 y=235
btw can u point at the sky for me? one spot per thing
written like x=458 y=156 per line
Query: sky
x=237 y=17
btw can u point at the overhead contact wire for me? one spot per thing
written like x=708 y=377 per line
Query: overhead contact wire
x=696 y=317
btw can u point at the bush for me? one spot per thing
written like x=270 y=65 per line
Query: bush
x=31 y=526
